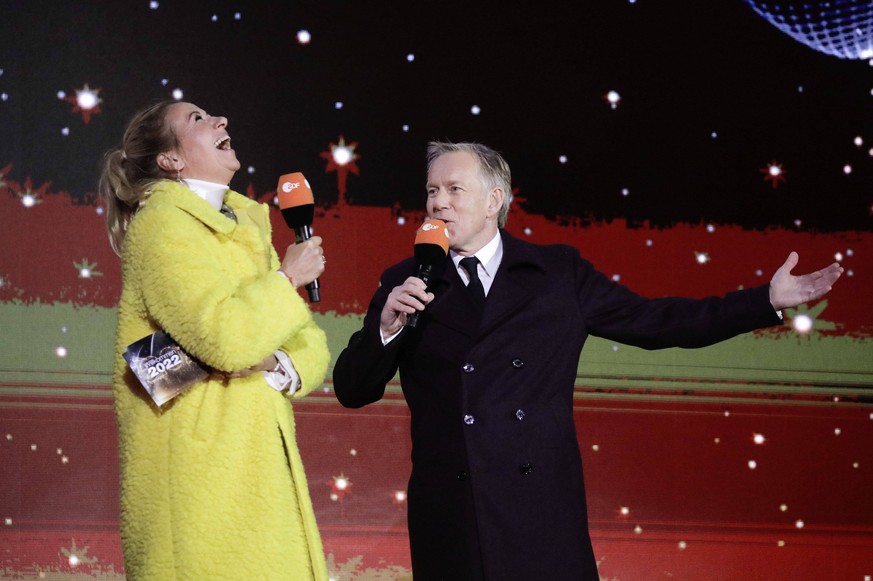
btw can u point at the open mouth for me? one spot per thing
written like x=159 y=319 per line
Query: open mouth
x=223 y=143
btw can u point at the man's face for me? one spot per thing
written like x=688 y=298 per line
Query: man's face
x=458 y=195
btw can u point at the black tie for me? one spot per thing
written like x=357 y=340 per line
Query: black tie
x=470 y=264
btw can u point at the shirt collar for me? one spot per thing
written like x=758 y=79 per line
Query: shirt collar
x=209 y=191
x=489 y=256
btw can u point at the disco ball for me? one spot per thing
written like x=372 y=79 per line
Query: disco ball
x=840 y=28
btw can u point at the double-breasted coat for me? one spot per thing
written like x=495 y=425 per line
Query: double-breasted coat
x=497 y=490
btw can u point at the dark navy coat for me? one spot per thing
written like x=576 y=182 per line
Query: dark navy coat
x=496 y=490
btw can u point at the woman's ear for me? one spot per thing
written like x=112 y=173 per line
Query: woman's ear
x=170 y=162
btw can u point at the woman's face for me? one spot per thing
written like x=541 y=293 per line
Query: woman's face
x=205 y=151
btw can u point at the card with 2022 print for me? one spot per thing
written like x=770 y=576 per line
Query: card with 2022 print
x=163 y=368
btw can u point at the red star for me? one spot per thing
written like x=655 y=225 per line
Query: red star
x=341 y=159
x=86 y=102
x=773 y=173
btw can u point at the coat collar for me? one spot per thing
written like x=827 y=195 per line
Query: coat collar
x=247 y=211
x=518 y=280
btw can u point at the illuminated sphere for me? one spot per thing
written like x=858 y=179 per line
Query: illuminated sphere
x=840 y=28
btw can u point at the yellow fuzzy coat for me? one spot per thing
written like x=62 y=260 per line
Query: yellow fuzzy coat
x=212 y=484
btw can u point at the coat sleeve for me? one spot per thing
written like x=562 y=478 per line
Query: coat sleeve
x=226 y=320
x=365 y=366
x=614 y=312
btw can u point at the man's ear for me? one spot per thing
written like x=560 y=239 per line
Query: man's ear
x=495 y=201
x=170 y=162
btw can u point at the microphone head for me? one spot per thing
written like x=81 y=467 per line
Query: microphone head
x=431 y=241
x=295 y=199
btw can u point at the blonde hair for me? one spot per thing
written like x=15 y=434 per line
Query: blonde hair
x=130 y=171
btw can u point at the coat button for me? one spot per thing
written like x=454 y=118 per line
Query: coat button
x=462 y=476
x=519 y=414
x=468 y=419
x=517 y=363
x=468 y=368
x=525 y=468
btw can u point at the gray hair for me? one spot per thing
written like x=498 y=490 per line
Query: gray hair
x=493 y=168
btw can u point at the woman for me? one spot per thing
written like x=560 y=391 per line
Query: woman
x=212 y=483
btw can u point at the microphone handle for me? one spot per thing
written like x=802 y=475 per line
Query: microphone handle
x=302 y=234
x=424 y=271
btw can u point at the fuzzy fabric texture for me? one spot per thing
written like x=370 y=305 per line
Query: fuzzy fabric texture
x=212 y=484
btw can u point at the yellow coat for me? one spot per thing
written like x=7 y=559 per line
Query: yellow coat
x=212 y=484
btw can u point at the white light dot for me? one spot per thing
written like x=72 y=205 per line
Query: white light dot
x=800 y=88
x=251 y=169
x=405 y=128
x=334 y=496
x=710 y=228
x=214 y=18
x=802 y=323
x=596 y=447
x=4 y=96
x=798 y=223
x=65 y=131
x=303 y=37
x=850 y=252
x=562 y=159
x=682 y=545
x=615 y=348
x=752 y=464
x=400 y=495
x=528 y=231
x=61 y=351
x=714 y=134
x=178 y=94
x=8 y=437
x=62 y=95
x=338 y=105
x=799 y=524
x=616 y=277
x=410 y=58
x=856 y=465
x=859 y=141
x=837 y=431
x=353 y=452
x=401 y=220
x=727 y=413
x=838 y=256
x=65 y=460
x=847 y=169
x=649 y=242
x=759 y=438
x=759 y=272
x=475 y=110
x=625 y=192
x=717 y=440
x=59 y=451
x=154 y=5
x=33 y=447
x=342 y=483
x=237 y=16
x=624 y=511
x=74 y=560
x=783 y=507
x=638 y=530
x=780 y=543
x=7 y=521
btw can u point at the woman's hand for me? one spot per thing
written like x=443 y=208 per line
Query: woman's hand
x=304 y=261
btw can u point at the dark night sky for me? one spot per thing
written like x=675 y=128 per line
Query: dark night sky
x=538 y=72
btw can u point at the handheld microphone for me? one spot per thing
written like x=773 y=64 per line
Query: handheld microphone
x=298 y=208
x=431 y=247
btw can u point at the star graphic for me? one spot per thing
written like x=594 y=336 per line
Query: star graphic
x=773 y=173
x=341 y=158
x=86 y=102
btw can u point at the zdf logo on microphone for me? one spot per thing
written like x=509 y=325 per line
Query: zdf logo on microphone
x=289 y=186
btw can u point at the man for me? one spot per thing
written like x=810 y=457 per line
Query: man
x=496 y=491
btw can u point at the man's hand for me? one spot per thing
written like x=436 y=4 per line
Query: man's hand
x=404 y=300
x=788 y=291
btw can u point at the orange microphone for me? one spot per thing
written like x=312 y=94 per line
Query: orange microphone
x=298 y=209
x=431 y=247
